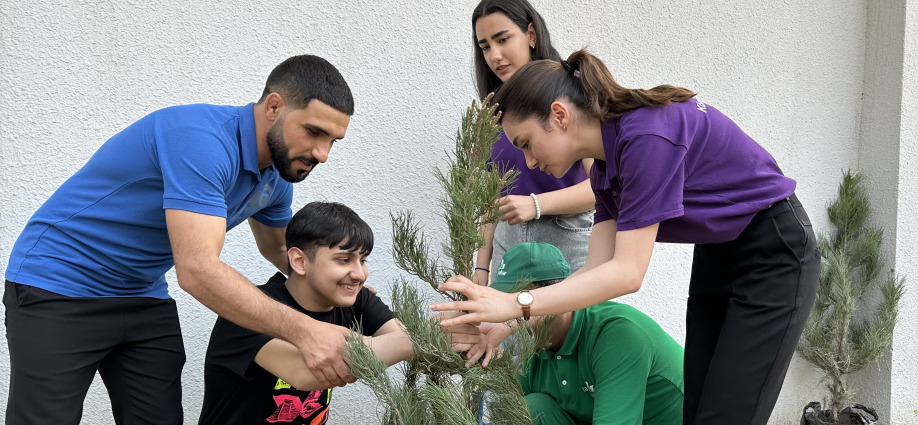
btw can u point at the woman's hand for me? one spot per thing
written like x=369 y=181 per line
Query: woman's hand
x=483 y=304
x=515 y=209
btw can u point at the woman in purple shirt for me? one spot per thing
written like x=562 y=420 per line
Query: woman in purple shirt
x=669 y=168
x=540 y=207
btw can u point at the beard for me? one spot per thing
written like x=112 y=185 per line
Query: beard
x=280 y=156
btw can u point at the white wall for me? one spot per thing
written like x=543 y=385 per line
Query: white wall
x=74 y=73
x=904 y=362
x=878 y=157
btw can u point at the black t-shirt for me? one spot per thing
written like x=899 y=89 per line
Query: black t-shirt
x=239 y=391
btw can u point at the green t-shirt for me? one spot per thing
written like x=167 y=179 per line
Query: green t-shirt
x=616 y=366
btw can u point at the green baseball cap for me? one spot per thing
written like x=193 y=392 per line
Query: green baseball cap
x=534 y=261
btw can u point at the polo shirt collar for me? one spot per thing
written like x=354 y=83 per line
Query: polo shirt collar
x=609 y=131
x=571 y=340
x=247 y=138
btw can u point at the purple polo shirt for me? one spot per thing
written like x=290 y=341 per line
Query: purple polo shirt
x=688 y=167
x=531 y=181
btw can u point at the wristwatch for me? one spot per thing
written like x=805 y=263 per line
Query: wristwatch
x=525 y=299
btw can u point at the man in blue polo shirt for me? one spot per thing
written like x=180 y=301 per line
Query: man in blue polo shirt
x=85 y=290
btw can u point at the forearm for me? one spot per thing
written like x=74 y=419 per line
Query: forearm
x=616 y=264
x=279 y=260
x=483 y=258
x=233 y=297
x=197 y=240
x=283 y=360
x=570 y=200
x=482 y=272
x=391 y=348
x=607 y=281
x=621 y=272
x=271 y=244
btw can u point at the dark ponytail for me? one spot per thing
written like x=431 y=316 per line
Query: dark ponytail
x=586 y=82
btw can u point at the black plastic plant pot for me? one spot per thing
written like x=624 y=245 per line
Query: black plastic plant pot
x=855 y=414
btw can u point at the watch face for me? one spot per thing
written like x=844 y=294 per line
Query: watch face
x=524 y=298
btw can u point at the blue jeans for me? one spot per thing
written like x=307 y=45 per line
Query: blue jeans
x=569 y=232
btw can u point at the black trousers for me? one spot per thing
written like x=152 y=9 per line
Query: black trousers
x=58 y=343
x=748 y=303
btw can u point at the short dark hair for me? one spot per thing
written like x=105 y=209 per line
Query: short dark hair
x=328 y=224
x=544 y=283
x=300 y=79
x=521 y=13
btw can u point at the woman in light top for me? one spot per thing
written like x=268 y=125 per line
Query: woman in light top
x=540 y=207
x=669 y=168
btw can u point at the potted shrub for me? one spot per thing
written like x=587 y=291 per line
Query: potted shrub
x=836 y=339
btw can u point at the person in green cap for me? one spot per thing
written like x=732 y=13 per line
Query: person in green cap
x=606 y=364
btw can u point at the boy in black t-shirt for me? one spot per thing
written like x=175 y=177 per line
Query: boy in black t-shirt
x=252 y=378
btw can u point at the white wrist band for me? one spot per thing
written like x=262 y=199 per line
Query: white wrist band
x=538 y=210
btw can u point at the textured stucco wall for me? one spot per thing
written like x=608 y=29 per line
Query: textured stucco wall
x=74 y=73
x=904 y=364
x=878 y=160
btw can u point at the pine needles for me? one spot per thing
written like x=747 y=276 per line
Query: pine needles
x=835 y=339
x=437 y=387
x=471 y=187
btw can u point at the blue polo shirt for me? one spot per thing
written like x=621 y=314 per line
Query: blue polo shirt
x=103 y=232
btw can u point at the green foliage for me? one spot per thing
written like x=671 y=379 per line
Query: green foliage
x=437 y=387
x=835 y=339
x=471 y=188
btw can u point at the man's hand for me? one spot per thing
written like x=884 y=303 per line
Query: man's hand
x=468 y=338
x=322 y=348
x=495 y=333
